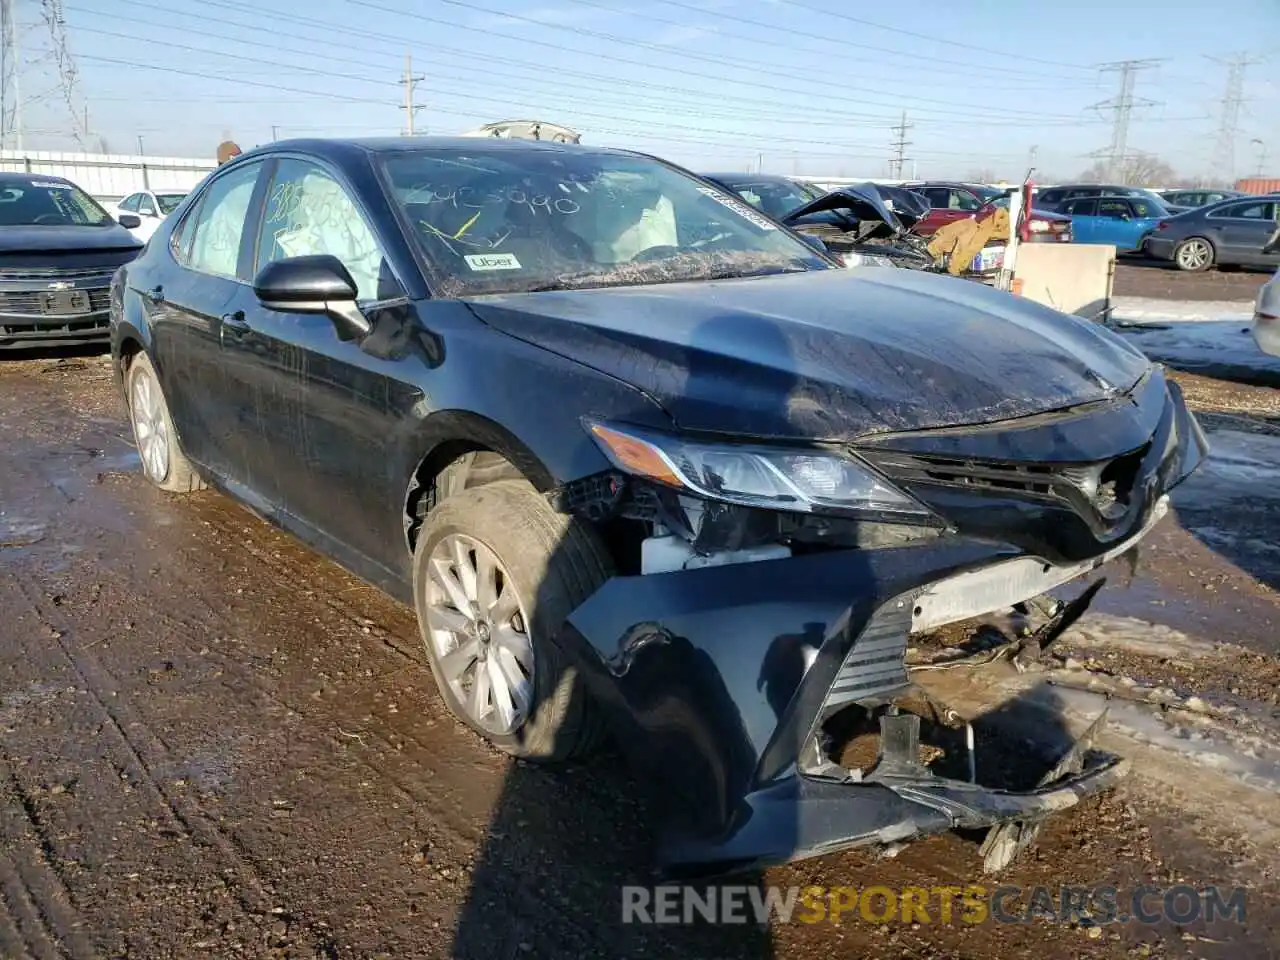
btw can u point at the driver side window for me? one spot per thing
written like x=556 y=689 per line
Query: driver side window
x=130 y=203
x=308 y=212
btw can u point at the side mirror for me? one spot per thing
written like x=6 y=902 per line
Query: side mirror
x=317 y=283
x=130 y=221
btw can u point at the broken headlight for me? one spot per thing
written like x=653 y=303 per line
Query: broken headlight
x=778 y=478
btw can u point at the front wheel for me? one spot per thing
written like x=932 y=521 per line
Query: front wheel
x=496 y=573
x=1194 y=255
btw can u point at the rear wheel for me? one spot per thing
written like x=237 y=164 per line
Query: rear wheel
x=163 y=462
x=496 y=572
x=1194 y=255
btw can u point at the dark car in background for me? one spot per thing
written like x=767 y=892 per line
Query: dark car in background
x=950 y=202
x=858 y=225
x=58 y=251
x=1197 y=197
x=1052 y=198
x=645 y=463
x=1229 y=233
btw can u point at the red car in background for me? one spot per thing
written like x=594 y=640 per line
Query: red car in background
x=957 y=201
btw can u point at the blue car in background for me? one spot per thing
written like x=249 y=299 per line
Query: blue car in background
x=1123 y=222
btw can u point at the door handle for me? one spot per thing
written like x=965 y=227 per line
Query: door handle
x=235 y=321
x=155 y=294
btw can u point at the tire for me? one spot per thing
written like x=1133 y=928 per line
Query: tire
x=1186 y=258
x=553 y=562
x=163 y=462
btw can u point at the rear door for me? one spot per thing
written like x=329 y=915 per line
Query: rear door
x=189 y=309
x=325 y=403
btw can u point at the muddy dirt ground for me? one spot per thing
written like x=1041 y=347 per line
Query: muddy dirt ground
x=1139 y=277
x=216 y=744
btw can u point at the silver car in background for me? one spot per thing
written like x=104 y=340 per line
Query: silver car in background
x=1266 y=312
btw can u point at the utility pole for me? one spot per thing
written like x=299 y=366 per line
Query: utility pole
x=1262 y=154
x=1224 y=153
x=275 y=134
x=141 y=149
x=408 y=80
x=900 y=145
x=1121 y=106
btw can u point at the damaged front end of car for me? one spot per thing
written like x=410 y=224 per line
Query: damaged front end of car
x=776 y=590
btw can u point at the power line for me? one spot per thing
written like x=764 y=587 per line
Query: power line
x=1117 y=154
x=900 y=147
x=805 y=96
x=1224 y=154
x=409 y=79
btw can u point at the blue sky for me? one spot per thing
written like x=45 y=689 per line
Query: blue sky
x=801 y=86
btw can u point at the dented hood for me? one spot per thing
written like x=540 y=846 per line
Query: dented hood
x=827 y=355
x=863 y=202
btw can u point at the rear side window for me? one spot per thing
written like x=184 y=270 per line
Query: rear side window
x=1245 y=211
x=1050 y=196
x=130 y=203
x=219 y=224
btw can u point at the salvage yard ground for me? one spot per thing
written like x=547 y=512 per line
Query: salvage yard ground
x=216 y=744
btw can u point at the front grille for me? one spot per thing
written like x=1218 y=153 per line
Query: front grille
x=1100 y=489
x=51 y=327
x=50 y=274
x=27 y=303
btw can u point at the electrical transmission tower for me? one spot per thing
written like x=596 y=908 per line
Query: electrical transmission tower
x=409 y=80
x=60 y=52
x=900 y=145
x=1116 y=155
x=1224 y=153
x=37 y=59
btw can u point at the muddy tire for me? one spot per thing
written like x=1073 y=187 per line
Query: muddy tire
x=1194 y=255
x=495 y=573
x=163 y=462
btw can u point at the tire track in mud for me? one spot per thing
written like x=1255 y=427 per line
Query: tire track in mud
x=461 y=833
x=251 y=889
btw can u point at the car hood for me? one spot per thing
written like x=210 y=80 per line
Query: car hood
x=828 y=355
x=35 y=239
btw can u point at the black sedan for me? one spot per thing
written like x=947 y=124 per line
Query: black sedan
x=58 y=250
x=644 y=462
x=1231 y=233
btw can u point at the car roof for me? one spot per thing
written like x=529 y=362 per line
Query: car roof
x=9 y=177
x=335 y=148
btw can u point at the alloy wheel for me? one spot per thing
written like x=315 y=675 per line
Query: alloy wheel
x=1193 y=255
x=146 y=404
x=479 y=634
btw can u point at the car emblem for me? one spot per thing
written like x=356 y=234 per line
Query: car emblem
x=60 y=285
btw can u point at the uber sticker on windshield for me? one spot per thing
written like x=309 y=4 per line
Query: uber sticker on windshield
x=738 y=207
x=39 y=185
x=492 y=261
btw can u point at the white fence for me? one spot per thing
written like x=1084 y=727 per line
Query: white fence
x=110 y=176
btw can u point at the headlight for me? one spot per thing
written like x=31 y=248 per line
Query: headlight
x=865 y=260
x=777 y=478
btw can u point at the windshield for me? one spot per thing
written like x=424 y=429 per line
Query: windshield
x=169 y=201
x=499 y=220
x=36 y=202
x=990 y=194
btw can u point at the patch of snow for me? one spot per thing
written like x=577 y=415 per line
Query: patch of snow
x=1152 y=309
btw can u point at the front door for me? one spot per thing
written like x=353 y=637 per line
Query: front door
x=325 y=404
